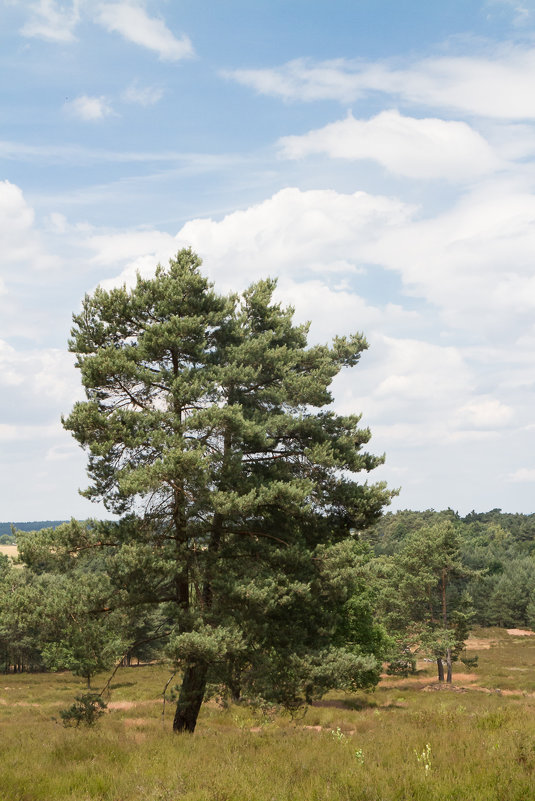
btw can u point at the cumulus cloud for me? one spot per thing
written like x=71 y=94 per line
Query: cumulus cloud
x=473 y=261
x=472 y=264
x=131 y=20
x=15 y=215
x=294 y=232
x=496 y=83
x=21 y=242
x=91 y=108
x=416 y=148
x=417 y=394
x=52 y=21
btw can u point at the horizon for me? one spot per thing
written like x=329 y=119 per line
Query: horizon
x=376 y=157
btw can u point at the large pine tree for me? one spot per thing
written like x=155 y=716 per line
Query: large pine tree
x=208 y=431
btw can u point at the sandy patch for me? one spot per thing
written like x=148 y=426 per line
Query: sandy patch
x=520 y=632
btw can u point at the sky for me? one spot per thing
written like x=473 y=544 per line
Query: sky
x=376 y=156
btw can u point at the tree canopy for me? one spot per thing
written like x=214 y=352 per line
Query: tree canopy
x=208 y=429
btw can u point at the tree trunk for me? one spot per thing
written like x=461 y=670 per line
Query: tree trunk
x=235 y=689
x=448 y=663
x=440 y=668
x=190 y=699
x=88 y=681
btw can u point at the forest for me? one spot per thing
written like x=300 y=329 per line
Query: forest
x=394 y=606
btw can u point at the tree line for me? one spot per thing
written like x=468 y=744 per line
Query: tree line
x=410 y=585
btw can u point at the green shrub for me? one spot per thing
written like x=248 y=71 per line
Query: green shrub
x=87 y=709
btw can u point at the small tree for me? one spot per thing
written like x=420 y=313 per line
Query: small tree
x=208 y=430
x=64 y=589
x=421 y=603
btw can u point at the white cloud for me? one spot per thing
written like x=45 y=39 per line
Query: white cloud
x=416 y=148
x=142 y=95
x=340 y=310
x=291 y=231
x=132 y=21
x=21 y=243
x=91 y=108
x=52 y=21
x=496 y=84
x=112 y=249
x=471 y=264
x=42 y=378
x=523 y=474
x=474 y=261
x=483 y=413
x=15 y=214
x=410 y=392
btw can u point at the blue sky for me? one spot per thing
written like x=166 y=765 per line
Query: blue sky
x=378 y=157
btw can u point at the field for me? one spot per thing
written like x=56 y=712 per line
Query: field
x=9 y=550
x=407 y=740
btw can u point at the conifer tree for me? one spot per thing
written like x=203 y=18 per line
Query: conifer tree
x=208 y=431
x=421 y=603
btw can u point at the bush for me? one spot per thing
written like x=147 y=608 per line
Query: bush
x=87 y=709
x=401 y=667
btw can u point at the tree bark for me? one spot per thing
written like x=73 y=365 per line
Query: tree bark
x=448 y=663
x=190 y=699
x=440 y=668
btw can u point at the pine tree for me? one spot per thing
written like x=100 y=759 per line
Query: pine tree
x=421 y=602
x=208 y=430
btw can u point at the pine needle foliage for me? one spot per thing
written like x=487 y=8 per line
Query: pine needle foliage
x=208 y=429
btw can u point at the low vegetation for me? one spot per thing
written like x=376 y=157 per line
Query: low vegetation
x=409 y=739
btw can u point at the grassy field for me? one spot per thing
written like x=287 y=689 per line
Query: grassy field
x=407 y=740
x=9 y=550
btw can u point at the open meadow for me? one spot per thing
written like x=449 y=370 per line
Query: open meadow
x=407 y=740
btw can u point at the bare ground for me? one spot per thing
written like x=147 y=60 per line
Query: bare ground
x=520 y=632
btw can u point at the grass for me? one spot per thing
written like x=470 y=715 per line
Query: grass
x=477 y=740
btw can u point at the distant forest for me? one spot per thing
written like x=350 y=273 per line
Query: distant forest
x=34 y=525
x=496 y=549
x=418 y=582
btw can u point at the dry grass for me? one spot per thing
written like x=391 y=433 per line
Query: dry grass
x=9 y=550
x=368 y=747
